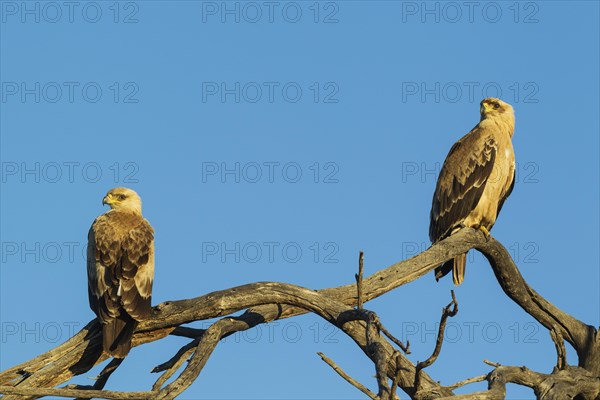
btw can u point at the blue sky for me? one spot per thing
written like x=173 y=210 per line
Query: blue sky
x=273 y=142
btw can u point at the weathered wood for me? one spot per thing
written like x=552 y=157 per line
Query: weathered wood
x=347 y=377
x=449 y=311
x=584 y=338
x=269 y=301
x=570 y=383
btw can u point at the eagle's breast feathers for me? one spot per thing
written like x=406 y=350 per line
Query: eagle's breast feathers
x=122 y=264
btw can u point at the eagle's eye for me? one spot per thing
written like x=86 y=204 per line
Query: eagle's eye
x=122 y=197
x=496 y=106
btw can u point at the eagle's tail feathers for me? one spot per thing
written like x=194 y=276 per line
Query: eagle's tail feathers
x=444 y=269
x=117 y=334
x=458 y=270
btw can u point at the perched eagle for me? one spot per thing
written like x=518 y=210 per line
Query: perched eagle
x=477 y=177
x=120 y=265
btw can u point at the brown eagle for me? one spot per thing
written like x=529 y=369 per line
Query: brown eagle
x=120 y=265
x=476 y=178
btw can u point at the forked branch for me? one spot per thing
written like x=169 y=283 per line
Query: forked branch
x=268 y=301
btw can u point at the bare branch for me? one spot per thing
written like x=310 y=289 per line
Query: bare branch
x=83 y=351
x=347 y=377
x=102 y=378
x=173 y=364
x=81 y=393
x=449 y=311
x=405 y=349
x=359 y=280
x=559 y=343
x=188 y=332
x=465 y=382
x=206 y=345
x=493 y=364
x=570 y=383
x=396 y=377
x=269 y=301
x=584 y=338
x=380 y=358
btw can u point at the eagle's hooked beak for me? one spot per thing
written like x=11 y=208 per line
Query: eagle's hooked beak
x=487 y=107
x=108 y=199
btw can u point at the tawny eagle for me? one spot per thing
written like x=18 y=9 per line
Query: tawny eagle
x=476 y=178
x=120 y=265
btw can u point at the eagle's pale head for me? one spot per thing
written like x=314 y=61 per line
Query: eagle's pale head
x=123 y=199
x=492 y=107
x=499 y=111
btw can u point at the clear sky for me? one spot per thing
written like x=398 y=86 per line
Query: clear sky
x=273 y=141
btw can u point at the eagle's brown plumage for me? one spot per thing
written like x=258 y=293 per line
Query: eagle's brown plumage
x=475 y=180
x=120 y=264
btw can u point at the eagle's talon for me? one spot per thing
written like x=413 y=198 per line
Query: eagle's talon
x=486 y=233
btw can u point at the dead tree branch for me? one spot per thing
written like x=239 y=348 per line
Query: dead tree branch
x=405 y=348
x=570 y=383
x=347 y=377
x=468 y=381
x=268 y=301
x=102 y=378
x=171 y=366
x=584 y=338
x=561 y=352
x=449 y=311
x=359 y=281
